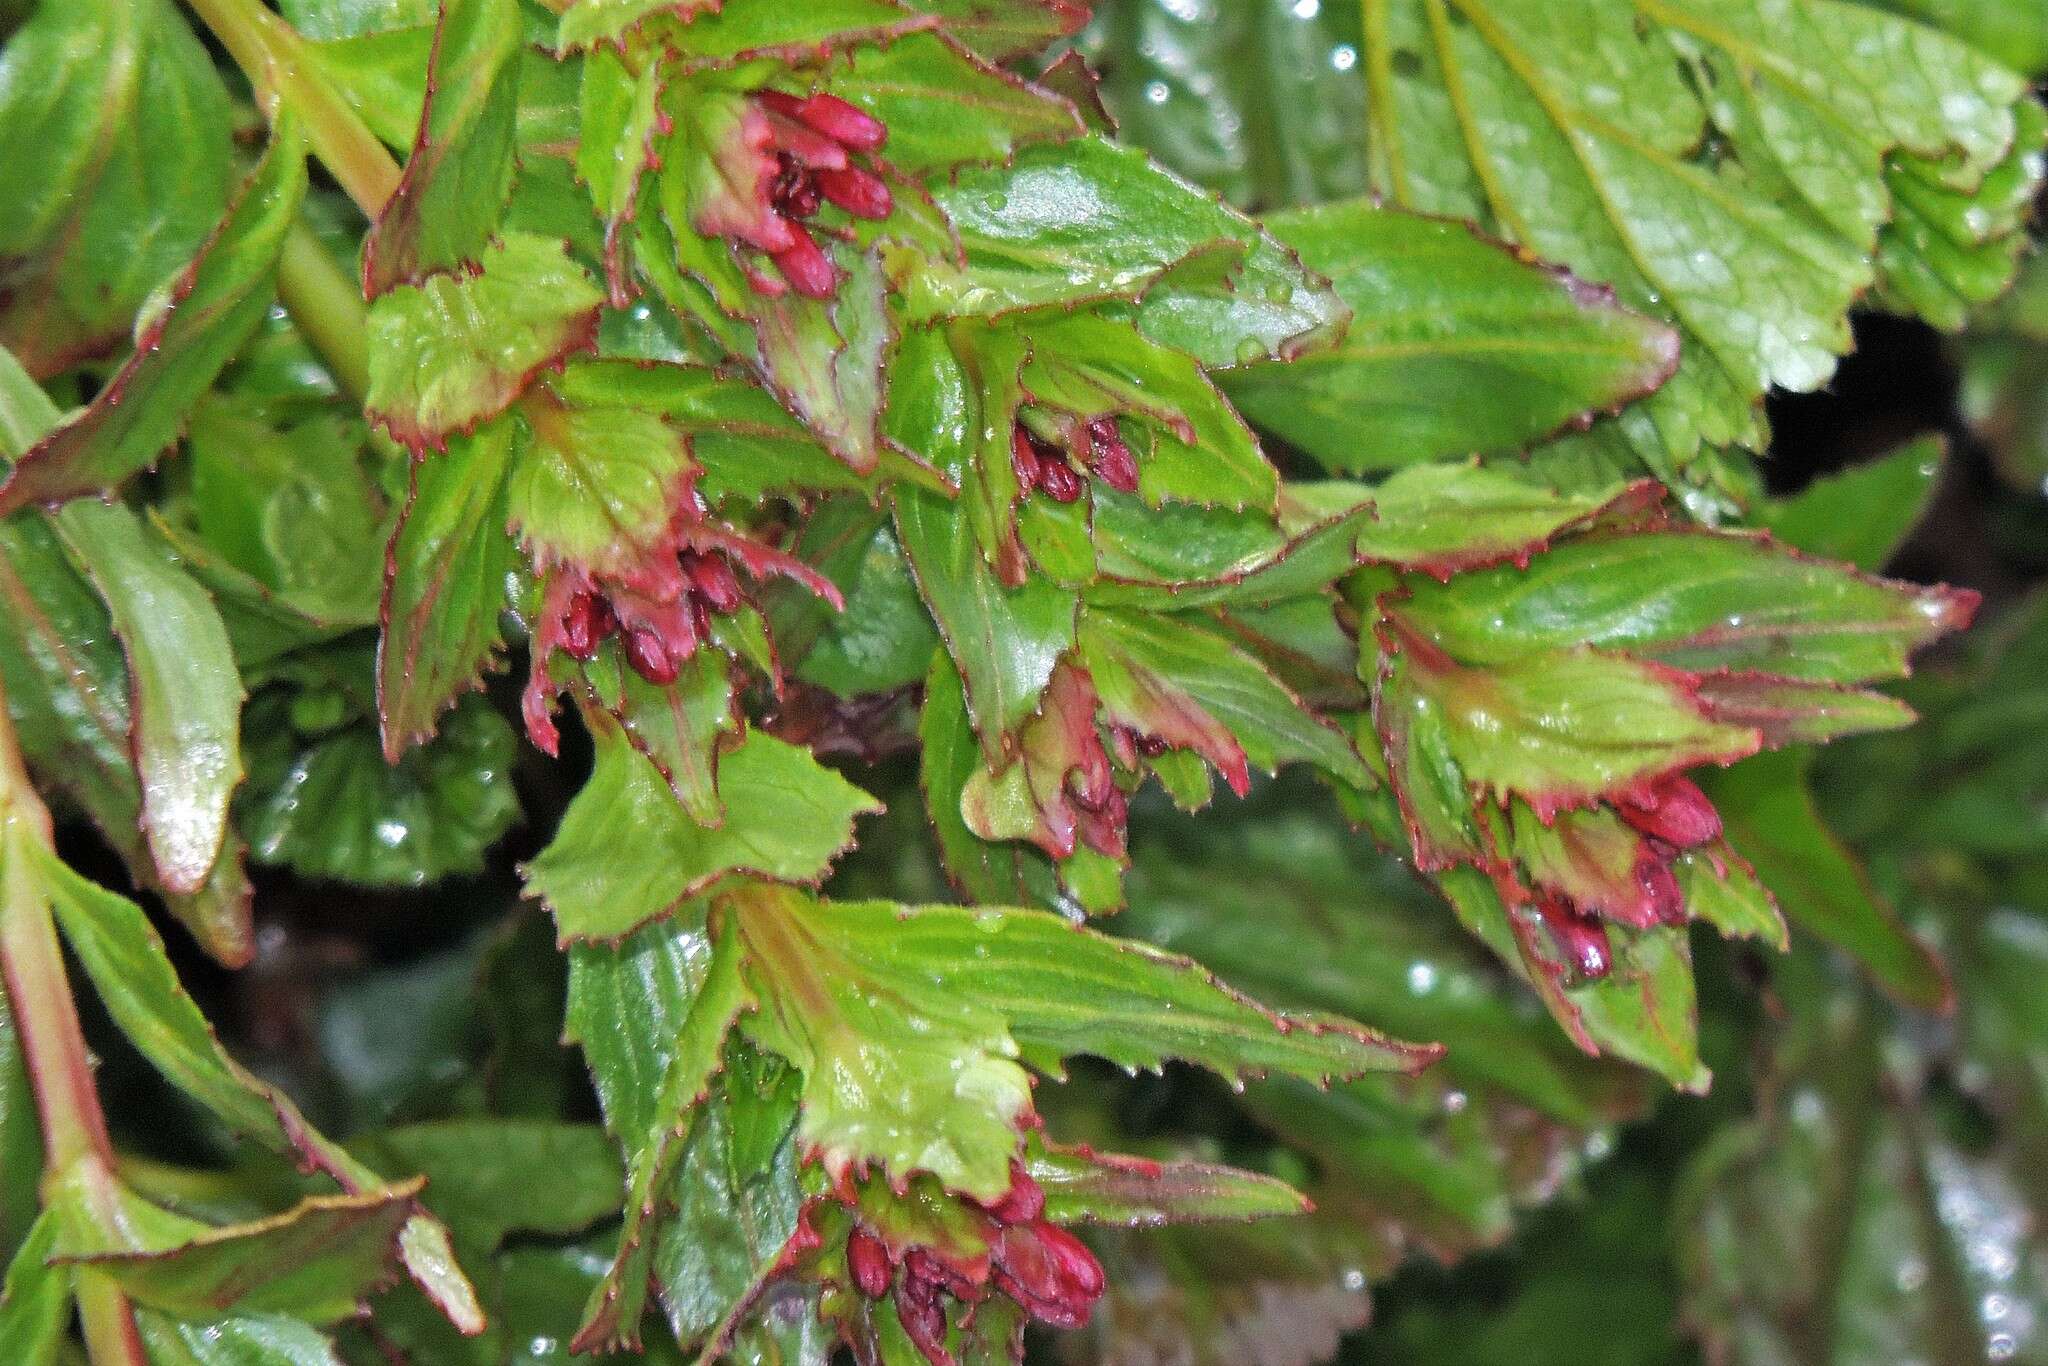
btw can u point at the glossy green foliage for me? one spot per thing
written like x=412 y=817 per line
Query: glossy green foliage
x=913 y=516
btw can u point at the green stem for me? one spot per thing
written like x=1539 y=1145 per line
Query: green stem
x=75 y=1144
x=274 y=58
x=328 y=308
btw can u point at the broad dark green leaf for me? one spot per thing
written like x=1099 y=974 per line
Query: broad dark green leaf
x=457 y=350
x=456 y=181
x=183 y=340
x=1721 y=165
x=786 y=816
x=446 y=585
x=329 y=806
x=2013 y=31
x=1456 y=345
x=944 y=106
x=489 y=1177
x=114 y=127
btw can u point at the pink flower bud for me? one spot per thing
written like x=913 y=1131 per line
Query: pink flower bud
x=1061 y=482
x=1675 y=811
x=843 y=123
x=805 y=267
x=1023 y=1202
x=860 y=193
x=1581 y=938
x=1049 y=1272
x=868 y=1260
x=580 y=636
x=1023 y=459
x=714 y=580
x=1111 y=458
x=650 y=657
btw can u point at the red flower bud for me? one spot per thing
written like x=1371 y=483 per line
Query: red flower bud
x=1023 y=459
x=843 y=123
x=714 y=581
x=868 y=1260
x=1581 y=938
x=1675 y=811
x=805 y=267
x=1660 y=886
x=1049 y=1272
x=580 y=633
x=1023 y=1202
x=924 y=1320
x=1061 y=482
x=649 y=656
x=1111 y=458
x=860 y=193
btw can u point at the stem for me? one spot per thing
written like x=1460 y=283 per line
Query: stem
x=328 y=308
x=274 y=58
x=75 y=1143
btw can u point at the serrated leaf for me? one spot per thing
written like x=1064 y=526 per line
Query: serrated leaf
x=1580 y=138
x=317 y=1261
x=490 y=1177
x=457 y=350
x=208 y=311
x=1005 y=29
x=330 y=807
x=89 y=229
x=786 y=817
x=447 y=205
x=694 y=1057
x=620 y=115
x=587 y=23
x=1005 y=641
x=125 y=960
x=2010 y=30
x=1456 y=345
x=824 y=359
x=187 y=697
x=950 y=759
x=1176 y=680
x=944 y=106
x=1086 y=1187
x=445 y=585
x=596 y=487
x=1087 y=221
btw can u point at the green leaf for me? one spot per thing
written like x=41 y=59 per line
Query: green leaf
x=489 y=1177
x=1771 y=821
x=945 y=106
x=330 y=807
x=1086 y=1187
x=105 y=107
x=125 y=960
x=316 y=1261
x=595 y=486
x=268 y=1340
x=37 y=1306
x=1721 y=165
x=1004 y=29
x=950 y=759
x=737 y=1198
x=1173 y=679
x=448 y=565
x=2013 y=31
x=1004 y=641
x=586 y=23
x=1456 y=346
x=187 y=697
x=620 y=116
x=1864 y=514
x=1087 y=221
x=945 y=1096
x=693 y=1059
x=447 y=205
x=207 y=312
x=786 y=817
x=885 y=638
x=459 y=349
x=1258 y=100
x=824 y=359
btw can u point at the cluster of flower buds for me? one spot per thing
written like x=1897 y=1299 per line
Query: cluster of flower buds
x=1671 y=815
x=710 y=589
x=1049 y=1272
x=1043 y=465
x=814 y=141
